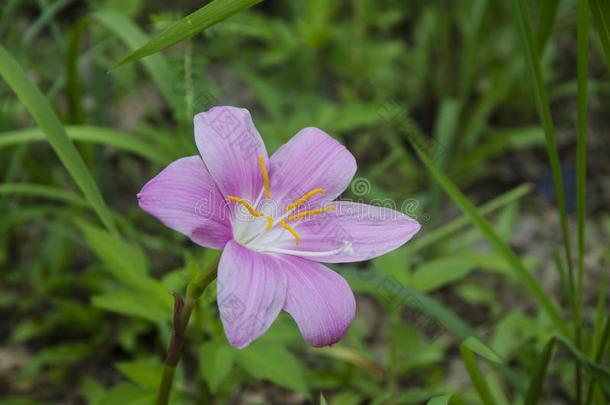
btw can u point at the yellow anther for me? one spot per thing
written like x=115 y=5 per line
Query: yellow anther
x=261 y=162
x=291 y=230
x=269 y=223
x=246 y=205
x=304 y=198
x=311 y=212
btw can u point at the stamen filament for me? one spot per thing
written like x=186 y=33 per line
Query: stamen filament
x=269 y=223
x=246 y=205
x=261 y=163
x=311 y=212
x=291 y=230
x=304 y=198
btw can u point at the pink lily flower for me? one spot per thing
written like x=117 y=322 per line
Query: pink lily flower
x=276 y=220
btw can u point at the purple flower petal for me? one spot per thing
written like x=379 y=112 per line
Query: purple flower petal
x=184 y=197
x=311 y=159
x=230 y=145
x=354 y=231
x=320 y=301
x=251 y=292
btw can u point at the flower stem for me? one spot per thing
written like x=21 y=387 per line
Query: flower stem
x=182 y=314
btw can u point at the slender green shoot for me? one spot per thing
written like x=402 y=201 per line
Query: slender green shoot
x=189 y=26
x=542 y=102
x=497 y=242
x=476 y=376
x=42 y=112
x=461 y=222
x=534 y=391
x=582 y=48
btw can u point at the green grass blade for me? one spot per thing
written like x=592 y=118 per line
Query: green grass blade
x=156 y=65
x=447 y=121
x=472 y=32
x=582 y=68
x=581 y=143
x=428 y=306
x=124 y=260
x=7 y=12
x=595 y=370
x=497 y=143
x=535 y=388
x=600 y=11
x=189 y=26
x=548 y=11
x=500 y=245
x=440 y=233
x=523 y=21
x=48 y=13
x=45 y=117
x=601 y=307
x=600 y=346
x=37 y=190
x=478 y=119
x=563 y=278
x=478 y=347
x=449 y=399
x=88 y=134
x=415 y=299
x=75 y=103
x=482 y=350
x=470 y=362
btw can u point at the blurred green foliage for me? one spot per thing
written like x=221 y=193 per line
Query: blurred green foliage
x=86 y=313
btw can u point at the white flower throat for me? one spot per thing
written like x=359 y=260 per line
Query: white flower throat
x=259 y=230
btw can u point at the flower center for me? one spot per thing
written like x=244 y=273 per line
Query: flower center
x=284 y=221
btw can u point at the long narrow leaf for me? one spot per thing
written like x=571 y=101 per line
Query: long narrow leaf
x=601 y=308
x=75 y=102
x=37 y=190
x=156 y=65
x=482 y=350
x=531 y=55
x=581 y=143
x=189 y=26
x=595 y=370
x=600 y=11
x=409 y=297
x=548 y=11
x=98 y=135
x=582 y=50
x=449 y=399
x=470 y=362
x=500 y=245
x=45 y=117
x=125 y=261
x=535 y=388
x=47 y=14
x=458 y=223
x=446 y=129
x=599 y=353
x=431 y=311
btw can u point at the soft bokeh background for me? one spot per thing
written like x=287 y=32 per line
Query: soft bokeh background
x=85 y=318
